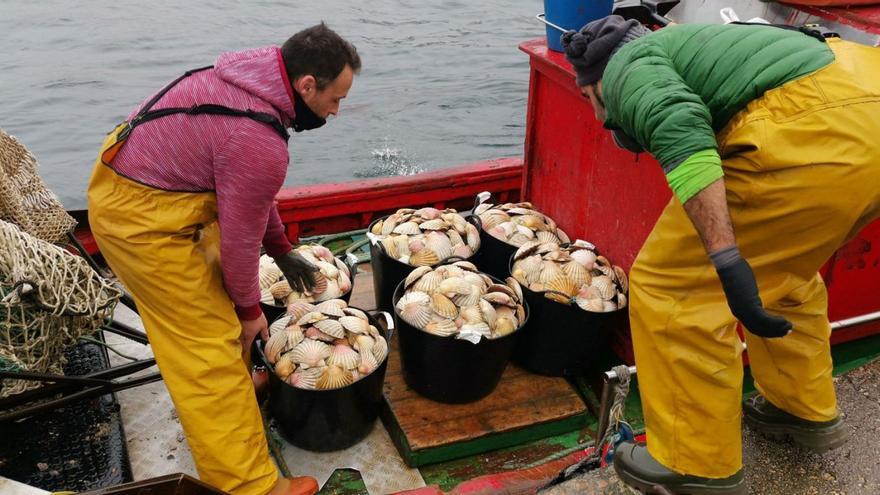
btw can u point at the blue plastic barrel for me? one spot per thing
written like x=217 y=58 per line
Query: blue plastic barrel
x=563 y=15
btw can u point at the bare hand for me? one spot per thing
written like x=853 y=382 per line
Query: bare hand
x=249 y=331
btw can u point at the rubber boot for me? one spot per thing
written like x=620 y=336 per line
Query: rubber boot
x=302 y=485
x=635 y=466
x=777 y=424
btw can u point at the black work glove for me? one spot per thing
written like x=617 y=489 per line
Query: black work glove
x=741 y=290
x=297 y=270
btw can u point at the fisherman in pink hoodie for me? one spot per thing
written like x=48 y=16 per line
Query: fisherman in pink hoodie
x=181 y=199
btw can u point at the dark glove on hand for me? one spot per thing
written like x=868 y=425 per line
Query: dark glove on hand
x=297 y=270
x=741 y=290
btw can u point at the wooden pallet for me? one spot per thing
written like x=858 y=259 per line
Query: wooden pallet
x=524 y=407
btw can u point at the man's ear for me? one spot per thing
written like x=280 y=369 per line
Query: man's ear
x=305 y=85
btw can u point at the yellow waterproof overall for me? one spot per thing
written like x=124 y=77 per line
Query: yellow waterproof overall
x=802 y=171
x=163 y=246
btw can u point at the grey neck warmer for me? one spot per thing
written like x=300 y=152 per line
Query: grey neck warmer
x=590 y=49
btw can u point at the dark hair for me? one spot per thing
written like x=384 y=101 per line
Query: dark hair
x=320 y=52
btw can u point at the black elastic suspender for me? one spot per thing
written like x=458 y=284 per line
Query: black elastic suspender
x=146 y=114
x=809 y=31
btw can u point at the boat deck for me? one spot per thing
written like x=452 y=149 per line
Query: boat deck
x=157 y=445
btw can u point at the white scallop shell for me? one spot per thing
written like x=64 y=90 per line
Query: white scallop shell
x=310 y=353
x=331 y=327
x=354 y=324
x=332 y=307
x=344 y=356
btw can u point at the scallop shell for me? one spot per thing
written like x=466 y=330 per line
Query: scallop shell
x=621 y=300
x=380 y=349
x=315 y=334
x=294 y=336
x=471 y=314
x=577 y=273
x=331 y=327
x=454 y=285
x=605 y=285
x=368 y=362
x=428 y=282
x=321 y=284
x=415 y=275
x=608 y=306
x=415 y=308
x=408 y=228
x=310 y=353
x=298 y=309
x=526 y=249
x=564 y=285
x=266 y=297
x=342 y=267
x=285 y=366
x=428 y=213
x=489 y=313
x=269 y=274
x=594 y=305
x=440 y=244
x=344 y=356
x=504 y=325
x=332 y=307
x=328 y=270
x=355 y=312
x=344 y=283
x=620 y=275
x=333 y=291
x=275 y=346
x=531 y=267
x=435 y=224
x=278 y=325
x=514 y=285
x=305 y=379
x=471 y=298
x=364 y=343
x=425 y=257
x=545 y=236
x=443 y=328
x=517 y=239
x=444 y=306
x=585 y=257
x=402 y=242
x=354 y=324
x=462 y=250
x=310 y=318
x=454 y=237
x=334 y=377
x=390 y=247
x=500 y=298
x=531 y=221
x=472 y=237
x=549 y=271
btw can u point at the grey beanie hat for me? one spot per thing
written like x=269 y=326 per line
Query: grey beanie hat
x=589 y=49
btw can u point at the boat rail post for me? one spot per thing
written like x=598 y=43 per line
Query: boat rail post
x=610 y=382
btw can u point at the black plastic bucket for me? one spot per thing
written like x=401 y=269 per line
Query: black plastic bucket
x=273 y=312
x=563 y=340
x=388 y=272
x=494 y=253
x=328 y=420
x=450 y=370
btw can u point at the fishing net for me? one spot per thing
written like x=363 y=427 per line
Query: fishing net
x=49 y=297
x=24 y=198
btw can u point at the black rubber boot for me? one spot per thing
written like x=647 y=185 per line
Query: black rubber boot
x=635 y=466
x=777 y=424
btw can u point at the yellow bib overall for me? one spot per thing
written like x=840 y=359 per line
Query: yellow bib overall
x=802 y=171
x=164 y=247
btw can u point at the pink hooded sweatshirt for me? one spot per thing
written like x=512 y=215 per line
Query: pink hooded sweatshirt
x=242 y=160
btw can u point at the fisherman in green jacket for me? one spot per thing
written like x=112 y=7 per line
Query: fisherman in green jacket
x=772 y=134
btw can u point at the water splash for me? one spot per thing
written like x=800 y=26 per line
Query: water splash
x=390 y=161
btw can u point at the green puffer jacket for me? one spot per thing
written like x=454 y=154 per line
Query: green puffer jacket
x=673 y=89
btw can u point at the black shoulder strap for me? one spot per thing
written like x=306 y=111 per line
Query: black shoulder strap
x=146 y=113
x=809 y=31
